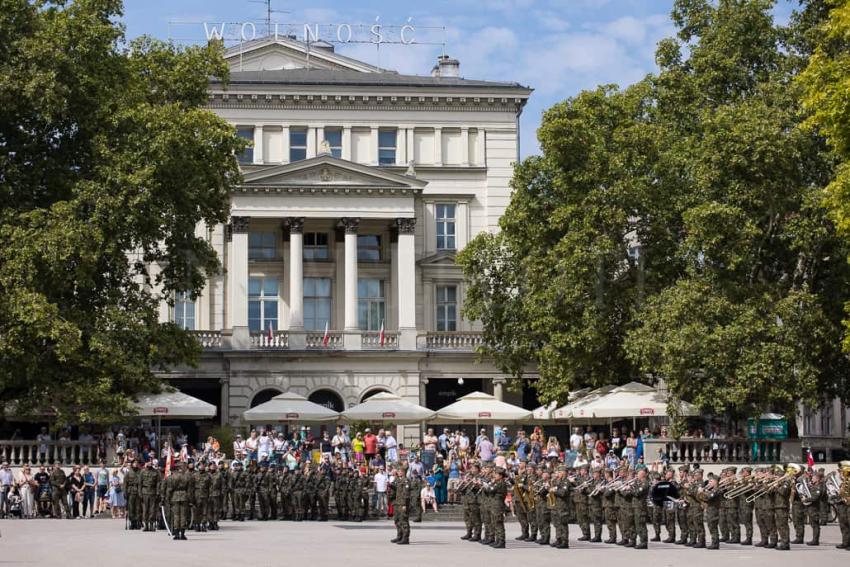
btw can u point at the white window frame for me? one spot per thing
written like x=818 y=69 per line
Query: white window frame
x=316 y=323
x=393 y=148
x=379 y=302
x=442 y=224
x=262 y=299
x=441 y=307
x=292 y=147
x=182 y=302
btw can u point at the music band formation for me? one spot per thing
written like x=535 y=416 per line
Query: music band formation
x=695 y=510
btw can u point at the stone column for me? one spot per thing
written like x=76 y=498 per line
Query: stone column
x=225 y=398
x=238 y=282
x=406 y=283
x=296 y=273
x=352 y=335
x=464 y=146
x=499 y=389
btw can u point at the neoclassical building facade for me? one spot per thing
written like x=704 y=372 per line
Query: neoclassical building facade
x=360 y=187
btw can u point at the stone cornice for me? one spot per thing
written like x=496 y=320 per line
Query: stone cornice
x=328 y=190
x=363 y=102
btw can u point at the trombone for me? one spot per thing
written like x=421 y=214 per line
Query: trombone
x=740 y=488
x=768 y=488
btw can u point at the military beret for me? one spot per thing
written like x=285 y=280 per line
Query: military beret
x=746 y=469
x=684 y=468
x=561 y=468
x=500 y=470
x=731 y=470
x=582 y=466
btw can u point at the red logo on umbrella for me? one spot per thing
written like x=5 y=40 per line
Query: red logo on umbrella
x=647 y=411
x=292 y=416
x=484 y=414
x=388 y=414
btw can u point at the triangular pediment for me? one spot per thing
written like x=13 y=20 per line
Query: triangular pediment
x=442 y=258
x=330 y=172
x=271 y=54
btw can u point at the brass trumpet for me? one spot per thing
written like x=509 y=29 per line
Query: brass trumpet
x=768 y=488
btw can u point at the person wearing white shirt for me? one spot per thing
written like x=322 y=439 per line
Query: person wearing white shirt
x=264 y=446
x=239 y=448
x=340 y=444
x=575 y=440
x=427 y=497
x=392 y=448
x=381 y=480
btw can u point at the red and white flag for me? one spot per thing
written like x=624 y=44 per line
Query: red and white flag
x=169 y=459
x=810 y=460
x=271 y=333
x=382 y=336
x=327 y=336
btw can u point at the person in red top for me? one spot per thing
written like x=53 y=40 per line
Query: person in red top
x=370 y=445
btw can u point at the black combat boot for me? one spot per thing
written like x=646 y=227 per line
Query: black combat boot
x=404 y=541
x=714 y=545
x=183 y=535
x=467 y=535
x=657 y=537
x=797 y=540
x=748 y=541
x=499 y=545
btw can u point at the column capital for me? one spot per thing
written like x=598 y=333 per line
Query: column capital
x=295 y=225
x=350 y=224
x=239 y=224
x=405 y=225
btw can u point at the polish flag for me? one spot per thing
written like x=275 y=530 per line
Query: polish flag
x=271 y=333
x=382 y=336
x=327 y=336
x=810 y=460
x=168 y=461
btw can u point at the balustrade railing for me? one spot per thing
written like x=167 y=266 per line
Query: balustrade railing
x=262 y=340
x=454 y=340
x=726 y=450
x=372 y=340
x=208 y=339
x=334 y=340
x=21 y=452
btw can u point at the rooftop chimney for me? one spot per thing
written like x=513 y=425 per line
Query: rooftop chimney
x=446 y=67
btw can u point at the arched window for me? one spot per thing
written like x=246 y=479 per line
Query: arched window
x=263 y=396
x=372 y=392
x=328 y=399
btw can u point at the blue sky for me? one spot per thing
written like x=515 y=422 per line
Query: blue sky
x=557 y=47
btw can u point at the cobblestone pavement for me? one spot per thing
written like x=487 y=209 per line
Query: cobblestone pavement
x=93 y=543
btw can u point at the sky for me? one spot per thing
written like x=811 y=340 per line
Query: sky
x=556 y=47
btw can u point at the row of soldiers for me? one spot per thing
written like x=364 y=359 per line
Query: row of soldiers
x=707 y=509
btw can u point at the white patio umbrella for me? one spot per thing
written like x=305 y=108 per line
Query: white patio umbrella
x=289 y=407
x=631 y=400
x=578 y=400
x=386 y=407
x=479 y=407
x=172 y=404
x=544 y=413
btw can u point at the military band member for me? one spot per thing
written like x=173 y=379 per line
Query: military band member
x=497 y=490
x=696 y=523
x=640 y=494
x=811 y=507
x=520 y=489
x=745 y=509
x=213 y=507
x=609 y=506
x=781 y=497
x=531 y=498
x=730 y=527
x=624 y=505
x=544 y=513
x=798 y=514
x=202 y=496
x=682 y=512
x=560 y=491
x=656 y=509
x=712 y=499
x=580 y=502
x=841 y=501
x=594 y=505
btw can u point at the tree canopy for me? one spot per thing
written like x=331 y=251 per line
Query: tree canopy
x=108 y=162
x=675 y=229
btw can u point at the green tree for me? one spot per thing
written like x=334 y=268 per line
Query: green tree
x=108 y=163
x=827 y=98
x=675 y=229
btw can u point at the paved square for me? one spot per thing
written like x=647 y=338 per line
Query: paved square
x=94 y=543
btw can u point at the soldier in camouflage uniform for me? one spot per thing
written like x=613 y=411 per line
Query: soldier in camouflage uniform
x=729 y=520
x=640 y=512
x=681 y=507
x=202 y=496
x=497 y=490
x=745 y=509
x=264 y=484
x=580 y=503
x=656 y=513
x=400 y=497
x=544 y=513
x=533 y=477
x=626 y=516
x=812 y=507
x=781 y=497
x=162 y=502
x=284 y=489
x=298 y=495
x=473 y=491
x=311 y=494
x=251 y=495
x=711 y=498
x=520 y=487
x=486 y=504
x=609 y=507
x=594 y=506
x=696 y=521
x=180 y=488
x=798 y=517
x=764 y=514
x=132 y=491
x=226 y=495
x=149 y=480
x=561 y=489
x=214 y=503
x=415 y=510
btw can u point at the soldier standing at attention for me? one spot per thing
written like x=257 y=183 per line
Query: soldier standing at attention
x=520 y=487
x=475 y=503
x=298 y=495
x=214 y=502
x=132 y=490
x=180 y=488
x=561 y=489
x=594 y=507
x=202 y=496
x=763 y=508
x=627 y=523
x=640 y=511
x=781 y=497
x=400 y=490
x=237 y=483
x=609 y=507
x=745 y=509
x=486 y=504
x=841 y=501
x=149 y=480
x=163 y=505
x=59 y=492
x=729 y=512
x=711 y=498
x=669 y=507
x=798 y=515
x=498 y=490
x=264 y=487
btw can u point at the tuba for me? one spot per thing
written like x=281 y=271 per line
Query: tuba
x=550 y=496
